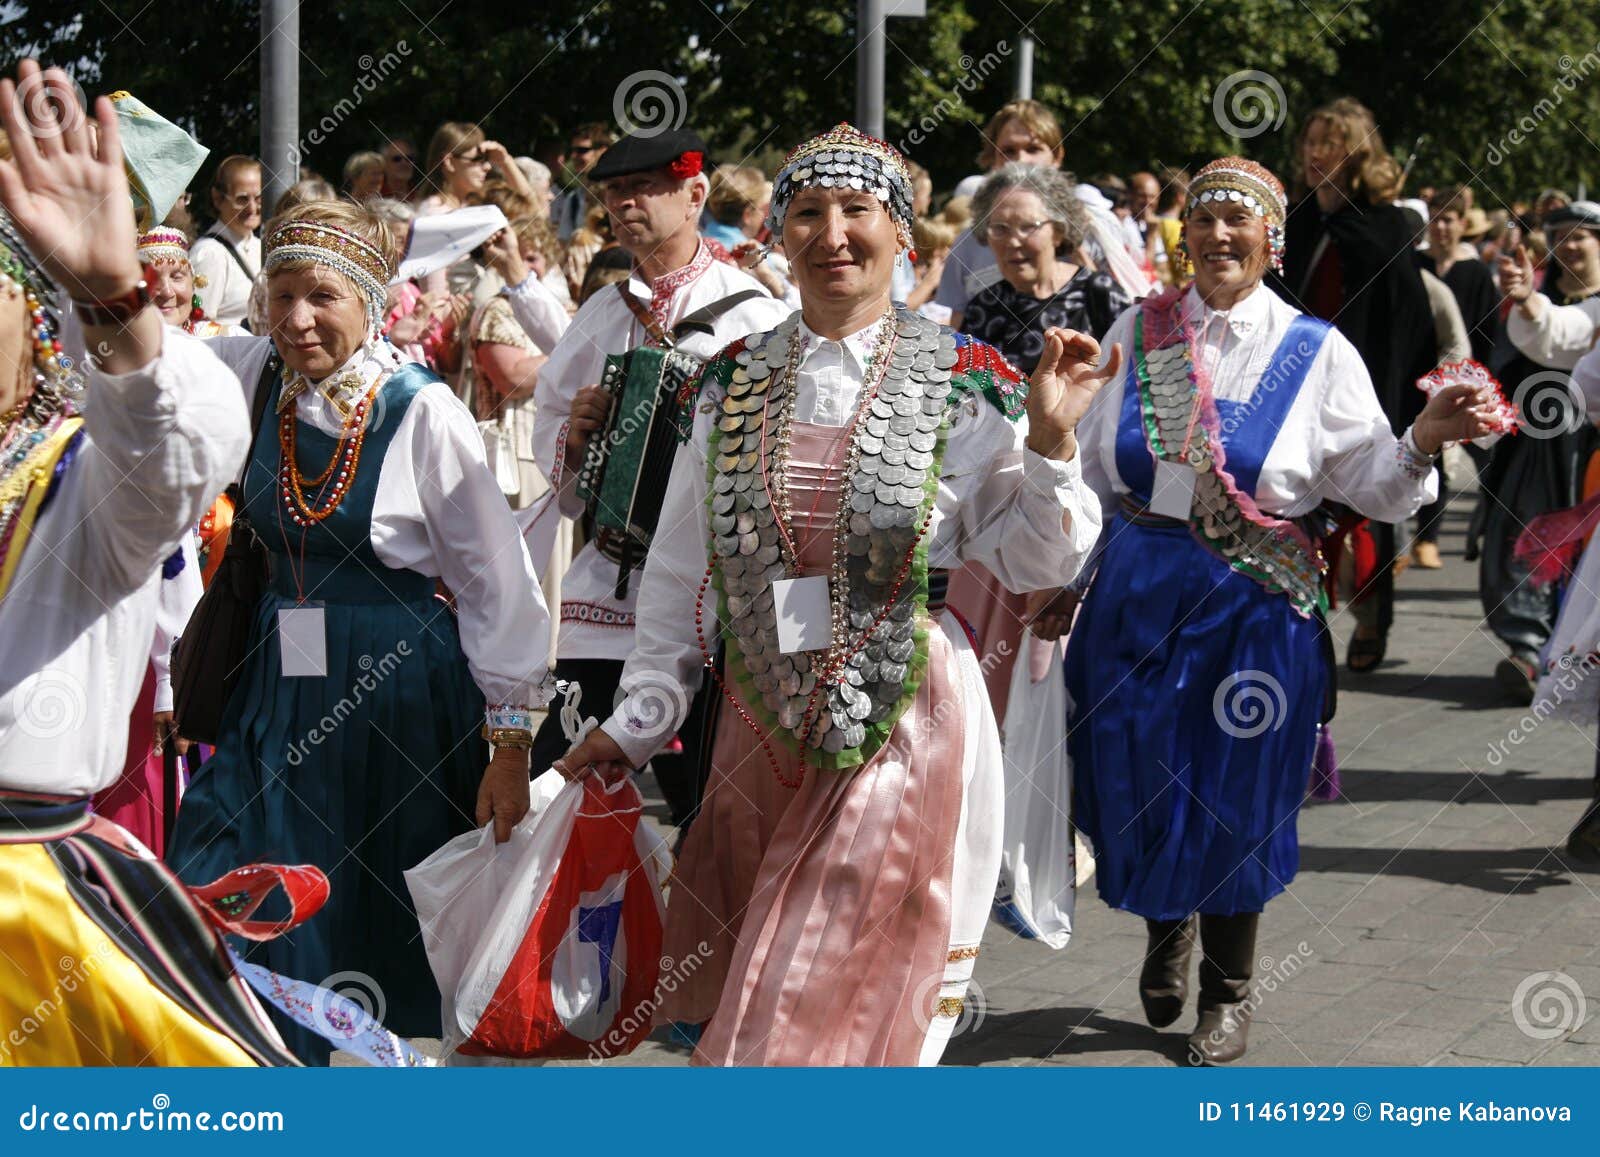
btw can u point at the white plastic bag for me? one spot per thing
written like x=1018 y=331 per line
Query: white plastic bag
x=475 y=898
x=1038 y=870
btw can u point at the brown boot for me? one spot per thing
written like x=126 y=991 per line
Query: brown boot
x=1228 y=944
x=1164 y=982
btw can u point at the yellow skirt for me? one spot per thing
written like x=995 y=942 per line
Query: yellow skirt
x=70 y=995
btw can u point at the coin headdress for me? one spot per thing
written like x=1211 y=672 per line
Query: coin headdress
x=846 y=158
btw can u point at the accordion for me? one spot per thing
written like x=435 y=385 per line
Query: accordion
x=623 y=479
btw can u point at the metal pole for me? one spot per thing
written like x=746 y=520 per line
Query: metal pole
x=280 y=99
x=871 y=45
x=1025 y=68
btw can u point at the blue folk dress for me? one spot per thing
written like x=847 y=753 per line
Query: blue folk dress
x=1194 y=692
x=363 y=772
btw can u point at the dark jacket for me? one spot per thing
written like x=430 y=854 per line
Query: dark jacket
x=1385 y=310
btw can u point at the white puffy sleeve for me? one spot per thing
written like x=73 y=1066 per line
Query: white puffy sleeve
x=438 y=511
x=176 y=603
x=1031 y=521
x=1357 y=460
x=1559 y=336
x=163 y=442
x=1586 y=381
x=538 y=312
x=575 y=361
x=666 y=665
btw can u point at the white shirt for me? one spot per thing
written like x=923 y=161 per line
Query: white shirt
x=1032 y=521
x=1560 y=336
x=595 y=624
x=439 y=511
x=77 y=623
x=175 y=602
x=539 y=311
x=225 y=296
x=1335 y=442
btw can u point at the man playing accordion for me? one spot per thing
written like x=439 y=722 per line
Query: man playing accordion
x=680 y=295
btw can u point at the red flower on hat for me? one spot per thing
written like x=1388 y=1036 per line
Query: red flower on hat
x=687 y=165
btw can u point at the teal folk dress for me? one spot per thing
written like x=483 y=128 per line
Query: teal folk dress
x=362 y=772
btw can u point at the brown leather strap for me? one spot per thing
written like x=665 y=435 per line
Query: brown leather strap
x=645 y=318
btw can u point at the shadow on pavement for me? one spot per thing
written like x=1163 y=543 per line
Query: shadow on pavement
x=1046 y=1032
x=1504 y=871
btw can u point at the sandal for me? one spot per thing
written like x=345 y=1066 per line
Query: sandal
x=1365 y=654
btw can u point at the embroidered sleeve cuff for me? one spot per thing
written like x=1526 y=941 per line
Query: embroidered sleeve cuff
x=649 y=717
x=1046 y=476
x=1413 y=462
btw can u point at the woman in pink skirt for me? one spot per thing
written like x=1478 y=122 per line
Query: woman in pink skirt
x=831 y=896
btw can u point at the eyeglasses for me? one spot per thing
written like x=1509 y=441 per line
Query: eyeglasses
x=475 y=157
x=1000 y=231
x=244 y=200
x=584 y=149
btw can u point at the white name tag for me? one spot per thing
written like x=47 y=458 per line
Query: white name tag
x=1173 y=494
x=804 y=614
x=302 y=642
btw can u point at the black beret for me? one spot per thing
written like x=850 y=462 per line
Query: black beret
x=637 y=153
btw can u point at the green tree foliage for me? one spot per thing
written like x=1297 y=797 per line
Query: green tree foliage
x=1142 y=82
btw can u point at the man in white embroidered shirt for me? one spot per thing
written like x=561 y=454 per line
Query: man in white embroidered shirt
x=654 y=191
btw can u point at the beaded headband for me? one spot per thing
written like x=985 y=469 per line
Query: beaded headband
x=1254 y=186
x=163 y=244
x=339 y=250
x=845 y=158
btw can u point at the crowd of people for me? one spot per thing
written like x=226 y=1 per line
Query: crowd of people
x=1175 y=418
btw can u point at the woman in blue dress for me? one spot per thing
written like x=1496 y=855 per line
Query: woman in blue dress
x=1196 y=674
x=401 y=637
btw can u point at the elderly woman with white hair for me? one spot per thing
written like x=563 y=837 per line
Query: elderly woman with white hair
x=359 y=736
x=1035 y=224
x=1198 y=672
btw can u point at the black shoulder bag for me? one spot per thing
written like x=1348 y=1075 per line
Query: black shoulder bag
x=210 y=655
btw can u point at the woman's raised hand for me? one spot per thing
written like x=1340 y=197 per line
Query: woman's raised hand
x=67 y=192
x=1062 y=387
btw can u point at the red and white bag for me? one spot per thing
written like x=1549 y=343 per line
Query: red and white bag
x=563 y=923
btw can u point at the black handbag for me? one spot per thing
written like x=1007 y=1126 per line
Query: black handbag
x=210 y=655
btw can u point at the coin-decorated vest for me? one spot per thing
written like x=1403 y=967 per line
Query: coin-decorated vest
x=1182 y=422
x=897 y=451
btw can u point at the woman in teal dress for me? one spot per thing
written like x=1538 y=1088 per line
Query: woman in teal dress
x=402 y=629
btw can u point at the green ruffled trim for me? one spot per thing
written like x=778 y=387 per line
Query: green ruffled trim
x=1152 y=434
x=916 y=670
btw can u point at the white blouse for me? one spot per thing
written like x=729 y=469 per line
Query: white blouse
x=1335 y=443
x=1560 y=335
x=1030 y=520
x=439 y=511
x=225 y=294
x=77 y=622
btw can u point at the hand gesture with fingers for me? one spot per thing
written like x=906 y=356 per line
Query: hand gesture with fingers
x=1516 y=274
x=67 y=194
x=1062 y=387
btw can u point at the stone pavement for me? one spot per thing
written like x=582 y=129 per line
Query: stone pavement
x=1426 y=896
